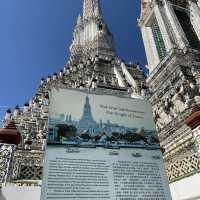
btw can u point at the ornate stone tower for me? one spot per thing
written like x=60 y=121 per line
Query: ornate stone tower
x=171 y=35
x=93 y=66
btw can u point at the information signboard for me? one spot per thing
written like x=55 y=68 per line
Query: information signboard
x=102 y=147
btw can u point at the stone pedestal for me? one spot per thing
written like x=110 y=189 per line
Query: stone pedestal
x=188 y=187
x=193 y=121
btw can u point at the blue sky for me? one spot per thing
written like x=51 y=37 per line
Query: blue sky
x=35 y=36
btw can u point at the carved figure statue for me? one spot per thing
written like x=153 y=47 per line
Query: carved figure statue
x=159 y=123
x=179 y=101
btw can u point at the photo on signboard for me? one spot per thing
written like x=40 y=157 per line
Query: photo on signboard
x=78 y=118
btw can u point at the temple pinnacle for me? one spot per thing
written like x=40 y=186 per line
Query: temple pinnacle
x=91 y=8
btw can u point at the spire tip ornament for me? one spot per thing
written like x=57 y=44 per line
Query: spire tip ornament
x=91 y=8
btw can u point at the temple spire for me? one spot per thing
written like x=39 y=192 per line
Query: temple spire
x=91 y=36
x=91 y=8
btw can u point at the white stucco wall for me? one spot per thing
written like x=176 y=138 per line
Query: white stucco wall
x=20 y=193
x=186 y=189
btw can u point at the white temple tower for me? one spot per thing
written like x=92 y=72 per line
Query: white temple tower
x=171 y=36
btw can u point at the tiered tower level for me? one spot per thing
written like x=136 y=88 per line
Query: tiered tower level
x=171 y=35
x=93 y=66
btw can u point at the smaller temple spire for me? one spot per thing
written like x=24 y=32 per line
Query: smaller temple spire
x=79 y=20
